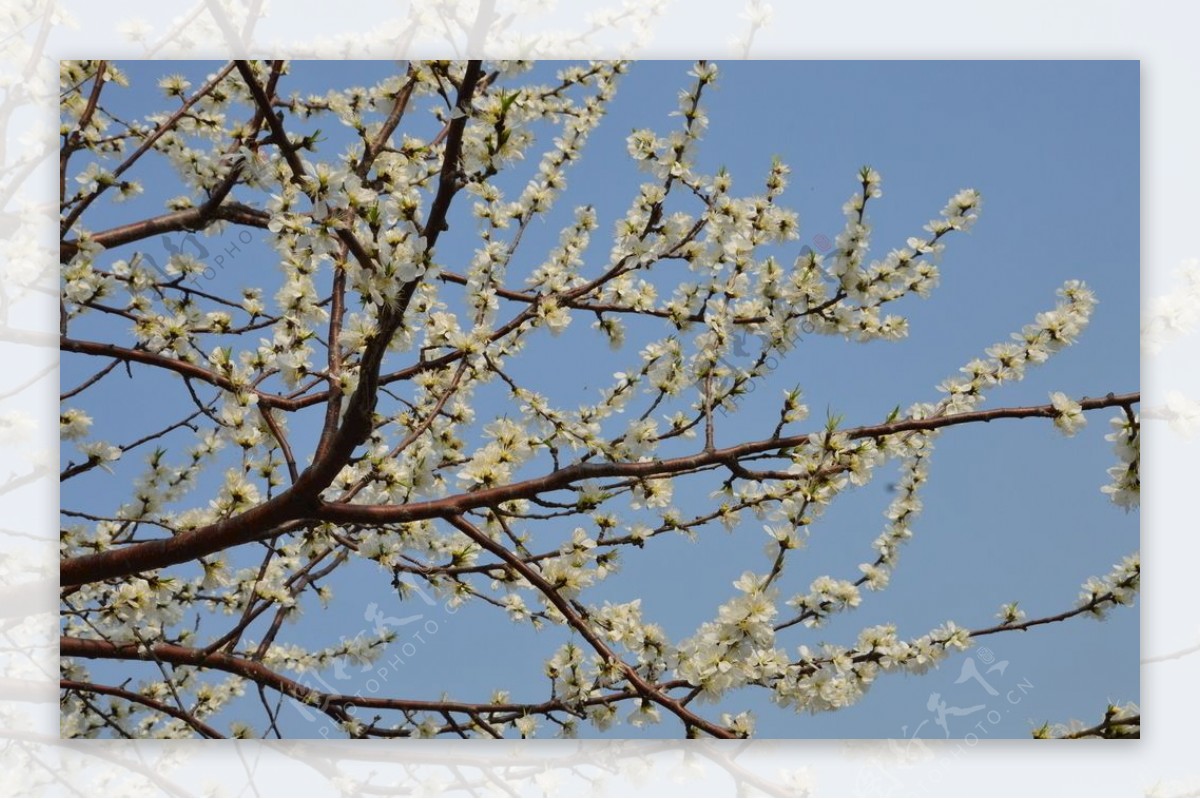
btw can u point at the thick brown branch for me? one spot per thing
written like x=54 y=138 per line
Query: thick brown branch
x=301 y=501
x=561 y=478
x=160 y=707
x=535 y=578
x=166 y=125
x=302 y=498
x=330 y=703
x=190 y=219
x=85 y=118
x=173 y=365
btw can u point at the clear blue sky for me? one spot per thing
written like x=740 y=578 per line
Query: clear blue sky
x=1013 y=510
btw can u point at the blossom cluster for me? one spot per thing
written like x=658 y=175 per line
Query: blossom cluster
x=1126 y=436
x=344 y=405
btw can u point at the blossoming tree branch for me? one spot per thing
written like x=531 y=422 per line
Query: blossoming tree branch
x=334 y=421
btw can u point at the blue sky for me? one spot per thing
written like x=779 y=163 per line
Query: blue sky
x=1013 y=510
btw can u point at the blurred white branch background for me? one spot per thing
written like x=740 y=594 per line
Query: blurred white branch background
x=34 y=34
